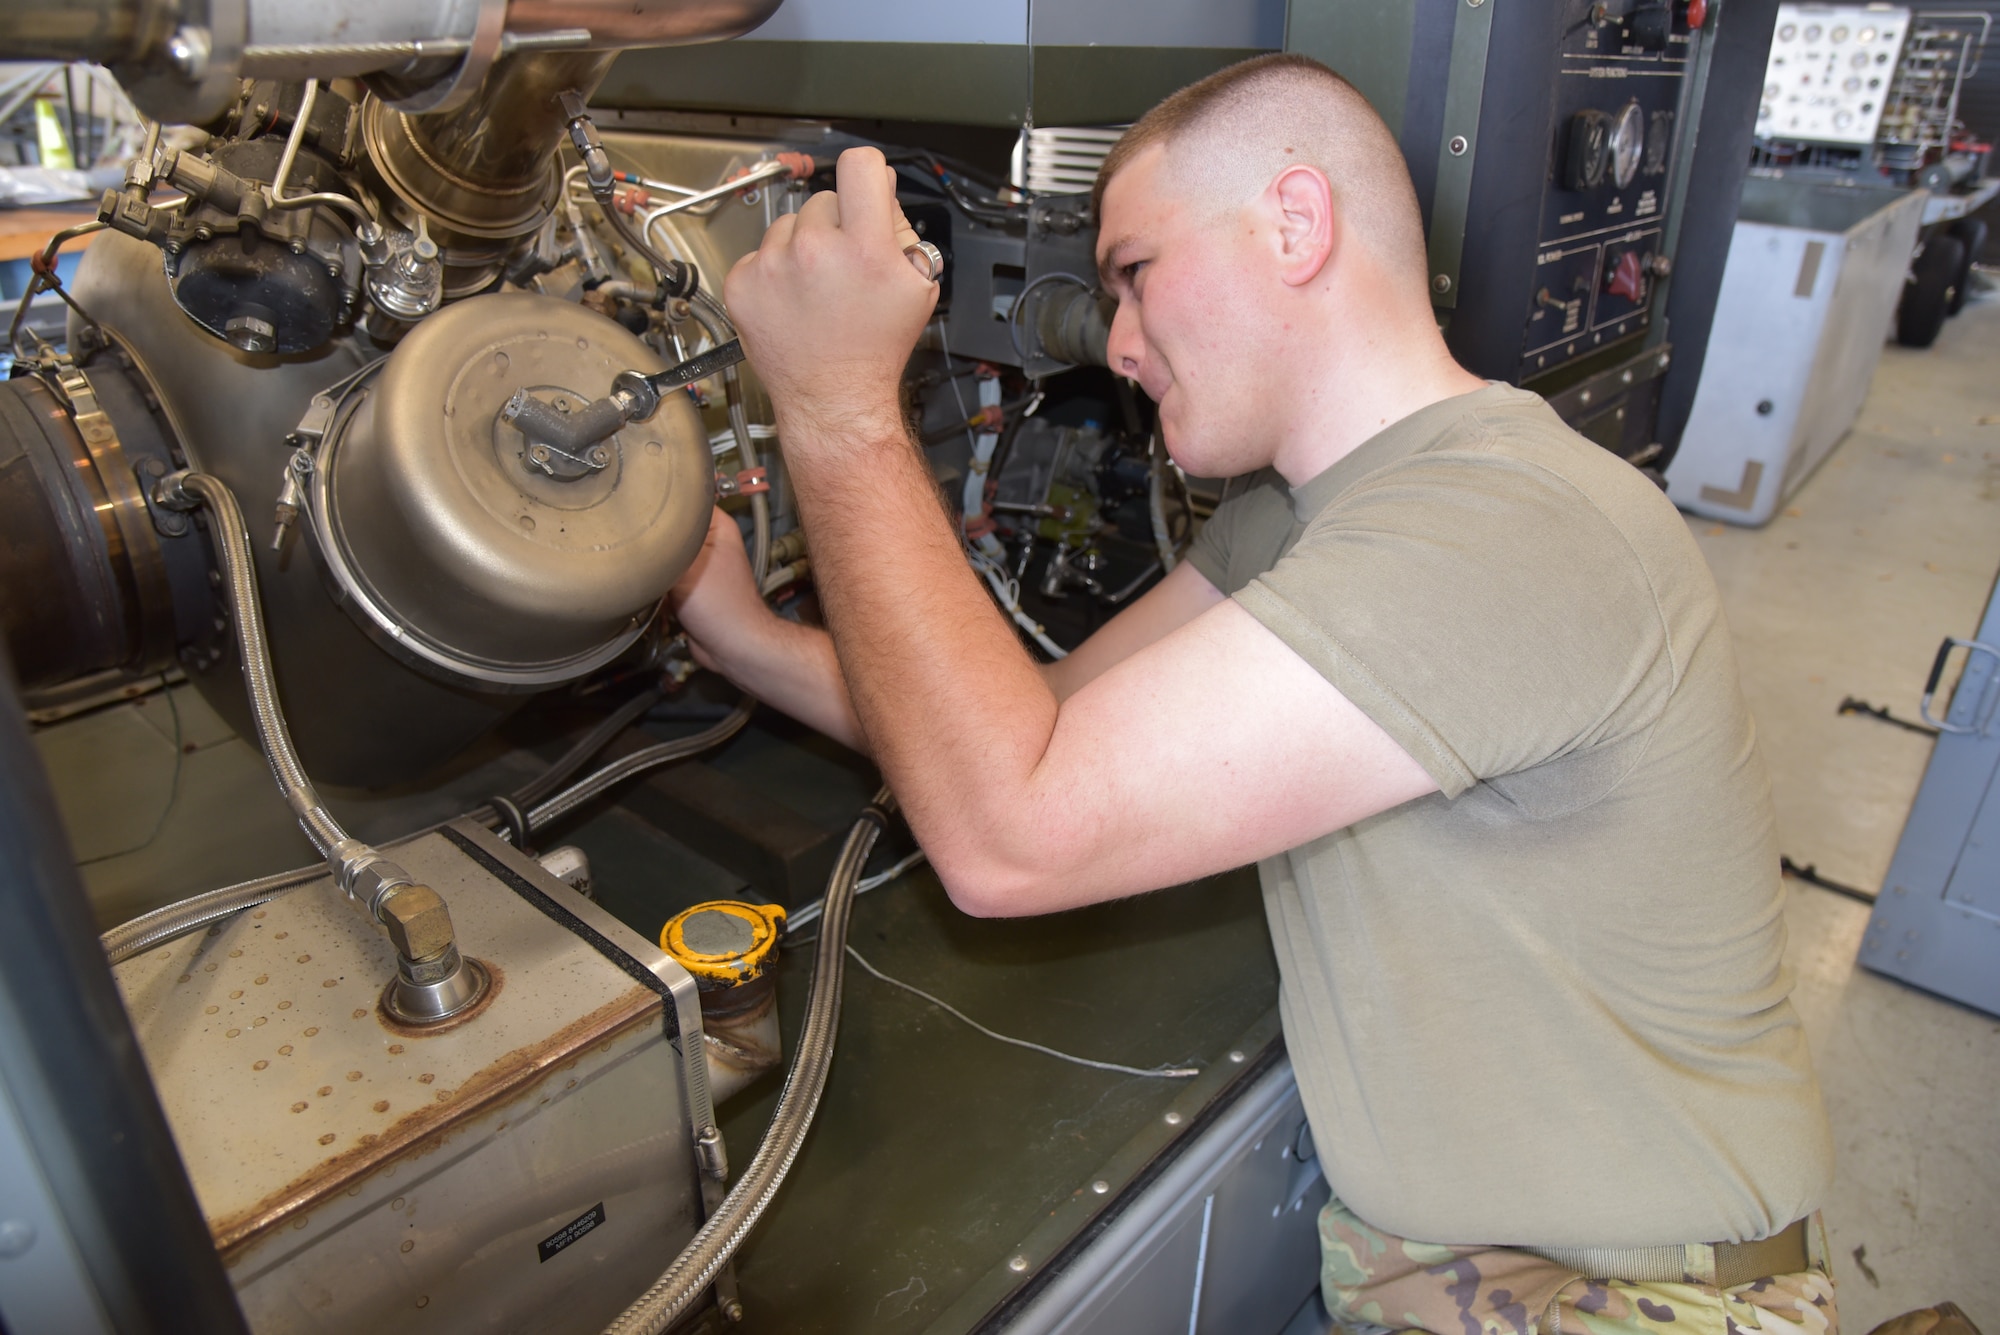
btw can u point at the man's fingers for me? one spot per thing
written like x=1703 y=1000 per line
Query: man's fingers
x=821 y=209
x=867 y=195
x=780 y=231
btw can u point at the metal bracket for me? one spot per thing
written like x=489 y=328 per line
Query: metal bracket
x=1465 y=90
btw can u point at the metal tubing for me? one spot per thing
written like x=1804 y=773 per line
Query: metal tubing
x=232 y=543
x=708 y=312
x=175 y=920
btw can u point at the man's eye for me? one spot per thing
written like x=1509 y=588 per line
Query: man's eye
x=1130 y=272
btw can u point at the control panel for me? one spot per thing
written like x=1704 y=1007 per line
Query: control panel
x=1830 y=72
x=1616 y=131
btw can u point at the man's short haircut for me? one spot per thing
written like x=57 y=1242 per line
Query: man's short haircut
x=1230 y=135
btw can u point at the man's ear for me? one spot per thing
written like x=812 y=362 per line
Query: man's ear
x=1307 y=223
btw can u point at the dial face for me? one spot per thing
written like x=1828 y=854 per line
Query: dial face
x=1628 y=144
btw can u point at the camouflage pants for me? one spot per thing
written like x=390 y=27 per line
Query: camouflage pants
x=1373 y=1280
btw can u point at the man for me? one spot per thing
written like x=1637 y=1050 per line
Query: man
x=1455 y=678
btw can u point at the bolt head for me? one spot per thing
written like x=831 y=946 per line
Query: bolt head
x=1441 y=283
x=1458 y=145
x=1017 y=1264
x=17 y=1238
x=252 y=334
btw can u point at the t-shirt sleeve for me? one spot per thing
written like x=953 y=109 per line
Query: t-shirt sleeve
x=1480 y=609
x=1253 y=516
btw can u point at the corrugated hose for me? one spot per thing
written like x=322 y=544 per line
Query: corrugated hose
x=703 y=1258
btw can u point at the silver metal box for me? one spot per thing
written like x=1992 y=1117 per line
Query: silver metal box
x=529 y=1167
x=1813 y=277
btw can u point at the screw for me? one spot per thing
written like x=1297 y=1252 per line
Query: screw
x=1236 y=1055
x=733 y=1310
x=1173 y=1119
x=1458 y=145
x=600 y=456
x=1441 y=283
x=16 y=1237
x=540 y=454
x=1017 y=1264
x=1100 y=1186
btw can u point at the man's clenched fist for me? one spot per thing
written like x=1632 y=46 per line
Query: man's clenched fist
x=829 y=307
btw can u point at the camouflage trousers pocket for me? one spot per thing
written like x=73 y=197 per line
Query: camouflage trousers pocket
x=1372 y=1279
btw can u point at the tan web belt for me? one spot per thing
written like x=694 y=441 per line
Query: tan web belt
x=1722 y=1264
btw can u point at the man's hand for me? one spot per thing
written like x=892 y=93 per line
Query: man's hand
x=730 y=630
x=717 y=603
x=829 y=307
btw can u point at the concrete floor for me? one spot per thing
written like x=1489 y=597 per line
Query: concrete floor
x=1890 y=546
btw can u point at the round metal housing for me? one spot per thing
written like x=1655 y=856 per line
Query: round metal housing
x=474 y=561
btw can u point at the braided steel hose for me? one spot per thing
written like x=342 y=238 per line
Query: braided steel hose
x=232 y=543
x=703 y=1258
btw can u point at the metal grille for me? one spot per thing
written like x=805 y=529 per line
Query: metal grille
x=1063 y=160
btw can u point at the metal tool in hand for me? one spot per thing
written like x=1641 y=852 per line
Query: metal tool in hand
x=634 y=397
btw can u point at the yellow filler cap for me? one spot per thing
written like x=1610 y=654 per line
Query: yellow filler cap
x=724 y=941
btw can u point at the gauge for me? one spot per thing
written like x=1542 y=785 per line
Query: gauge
x=1628 y=144
x=1865 y=35
x=1837 y=36
x=1812 y=32
x=1788 y=31
x=1589 y=150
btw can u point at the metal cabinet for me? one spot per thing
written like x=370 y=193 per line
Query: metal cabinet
x=1224 y=1241
x=1936 y=923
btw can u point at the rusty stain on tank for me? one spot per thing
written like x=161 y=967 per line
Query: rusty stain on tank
x=517 y=1075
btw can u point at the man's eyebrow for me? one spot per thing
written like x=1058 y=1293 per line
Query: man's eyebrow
x=1107 y=268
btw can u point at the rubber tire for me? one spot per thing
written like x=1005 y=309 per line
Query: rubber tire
x=1928 y=293
x=1972 y=233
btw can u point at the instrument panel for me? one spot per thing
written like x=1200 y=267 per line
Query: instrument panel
x=1616 y=131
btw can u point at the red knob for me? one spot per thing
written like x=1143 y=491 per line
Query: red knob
x=1627 y=278
x=1697 y=14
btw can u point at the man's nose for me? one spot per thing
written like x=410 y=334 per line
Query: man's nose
x=1124 y=348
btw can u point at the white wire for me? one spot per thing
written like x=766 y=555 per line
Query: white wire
x=810 y=913
x=1155 y=1073
x=723 y=441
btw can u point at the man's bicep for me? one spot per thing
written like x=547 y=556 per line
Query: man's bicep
x=1176 y=600
x=1214 y=747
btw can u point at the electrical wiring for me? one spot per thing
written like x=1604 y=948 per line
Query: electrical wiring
x=808 y=915
x=1117 y=1068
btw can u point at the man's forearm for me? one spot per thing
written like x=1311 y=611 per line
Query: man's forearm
x=792 y=668
x=955 y=711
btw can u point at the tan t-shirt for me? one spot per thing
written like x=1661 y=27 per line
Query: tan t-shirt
x=1546 y=1005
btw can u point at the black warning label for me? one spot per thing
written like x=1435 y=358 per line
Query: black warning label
x=571 y=1231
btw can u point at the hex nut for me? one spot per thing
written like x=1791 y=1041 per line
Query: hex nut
x=417 y=921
